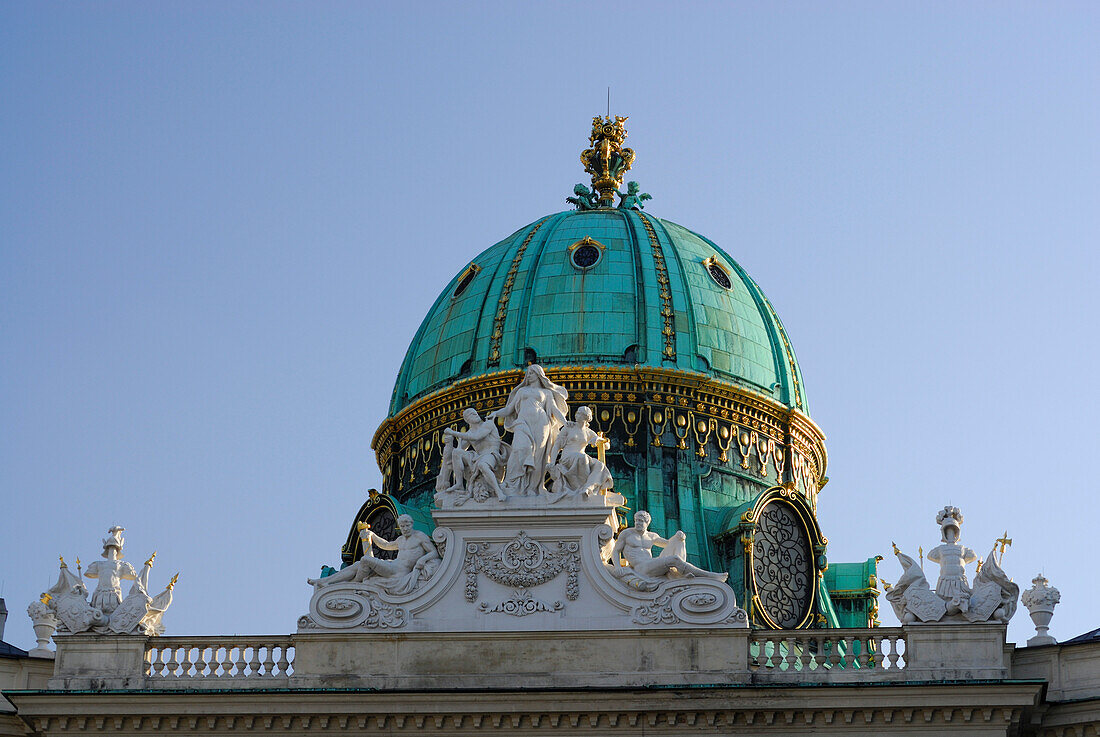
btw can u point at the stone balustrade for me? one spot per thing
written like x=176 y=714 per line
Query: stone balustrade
x=818 y=654
x=219 y=659
x=534 y=659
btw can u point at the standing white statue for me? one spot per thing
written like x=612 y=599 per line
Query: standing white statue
x=534 y=412
x=574 y=472
x=472 y=461
x=110 y=572
x=416 y=561
x=992 y=598
x=107 y=612
x=953 y=558
x=642 y=570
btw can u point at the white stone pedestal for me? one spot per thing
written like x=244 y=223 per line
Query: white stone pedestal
x=524 y=566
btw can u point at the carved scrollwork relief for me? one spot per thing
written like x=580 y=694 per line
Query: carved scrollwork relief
x=344 y=608
x=520 y=604
x=686 y=604
x=522 y=563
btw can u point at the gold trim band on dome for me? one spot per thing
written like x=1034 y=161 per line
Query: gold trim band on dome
x=506 y=294
x=668 y=330
x=675 y=407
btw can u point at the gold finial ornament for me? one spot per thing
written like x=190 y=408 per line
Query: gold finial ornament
x=1005 y=542
x=172 y=583
x=45 y=598
x=62 y=559
x=151 y=558
x=606 y=159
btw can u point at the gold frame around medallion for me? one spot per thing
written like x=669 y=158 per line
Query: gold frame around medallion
x=817 y=542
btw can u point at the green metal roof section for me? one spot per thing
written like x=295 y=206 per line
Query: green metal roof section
x=530 y=295
x=852 y=591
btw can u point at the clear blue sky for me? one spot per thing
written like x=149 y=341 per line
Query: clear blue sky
x=221 y=224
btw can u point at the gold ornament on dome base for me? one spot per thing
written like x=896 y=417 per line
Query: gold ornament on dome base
x=673 y=407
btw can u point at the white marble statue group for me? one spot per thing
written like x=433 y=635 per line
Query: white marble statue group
x=66 y=607
x=992 y=597
x=477 y=464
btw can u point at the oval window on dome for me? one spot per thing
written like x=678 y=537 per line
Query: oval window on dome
x=585 y=253
x=465 y=278
x=718 y=273
x=782 y=565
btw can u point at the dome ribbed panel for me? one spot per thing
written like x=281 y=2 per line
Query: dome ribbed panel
x=592 y=317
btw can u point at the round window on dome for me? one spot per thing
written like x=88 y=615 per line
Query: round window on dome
x=586 y=257
x=465 y=278
x=718 y=273
x=585 y=253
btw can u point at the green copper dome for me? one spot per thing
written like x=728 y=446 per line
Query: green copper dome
x=603 y=287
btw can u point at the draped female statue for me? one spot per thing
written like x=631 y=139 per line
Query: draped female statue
x=534 y=412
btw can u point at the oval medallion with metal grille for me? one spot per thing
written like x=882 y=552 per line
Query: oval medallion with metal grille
x=782 y=566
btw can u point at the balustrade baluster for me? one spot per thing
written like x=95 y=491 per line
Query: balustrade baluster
x=284 y=663
x=893 y=655
x=820 y=656
x=221 y=661
x=200 y=662
x=834 y=651
x=254 y=663
x=879 y=656
x=241 y=665
x=175 y=664
x=792 y=655
x=269 y=662
x=806 y=657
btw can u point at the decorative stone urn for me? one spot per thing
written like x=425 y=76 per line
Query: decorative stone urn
x=45 y=624
x=1040 y=601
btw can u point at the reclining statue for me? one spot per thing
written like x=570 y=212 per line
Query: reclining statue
x=642 y=570
x=416 y=561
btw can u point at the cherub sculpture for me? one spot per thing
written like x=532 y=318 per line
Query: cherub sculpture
x=633 y=198
x=573 y=471
x=584 y=199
